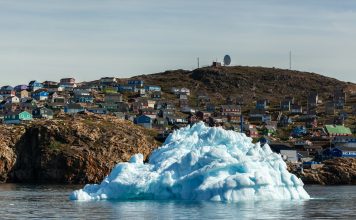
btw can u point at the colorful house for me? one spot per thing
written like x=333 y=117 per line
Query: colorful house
x=337 y=130
x=348 y=152
x=7 y=91
x=42 y=112
x=19 y=88
x=135 y=83
x=68 y=83
x=40 y=95
x=17 y=117
x=152 y=88
x=84 y=99
x=262 y=104
x=34 y=85
x=143 y=121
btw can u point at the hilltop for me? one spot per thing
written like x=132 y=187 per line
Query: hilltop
x=248 y=82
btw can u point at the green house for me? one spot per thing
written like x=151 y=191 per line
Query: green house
x=17 y=117
x=337 y=130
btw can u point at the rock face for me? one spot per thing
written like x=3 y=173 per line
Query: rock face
x=334 y=172
x=83 y=149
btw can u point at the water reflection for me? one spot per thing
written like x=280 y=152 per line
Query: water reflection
x=26 y=201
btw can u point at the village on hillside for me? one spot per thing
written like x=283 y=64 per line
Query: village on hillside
x=319 y=130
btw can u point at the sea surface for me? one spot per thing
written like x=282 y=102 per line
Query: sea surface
x=51 y=201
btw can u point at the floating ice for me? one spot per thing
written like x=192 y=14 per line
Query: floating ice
x=201 y=163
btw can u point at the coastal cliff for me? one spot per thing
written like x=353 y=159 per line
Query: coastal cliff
x=339 y=171
x=83 y=149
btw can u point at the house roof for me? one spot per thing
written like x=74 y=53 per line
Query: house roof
x=7 y=88
x=338 y=130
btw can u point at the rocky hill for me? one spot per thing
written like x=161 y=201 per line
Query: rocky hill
x=68 y=150
x=249 y=82
x=337 y=171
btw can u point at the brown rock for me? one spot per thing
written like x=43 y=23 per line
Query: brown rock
x=83 y=149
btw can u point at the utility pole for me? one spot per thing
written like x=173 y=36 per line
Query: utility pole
x=198 y=61
x=290 y=60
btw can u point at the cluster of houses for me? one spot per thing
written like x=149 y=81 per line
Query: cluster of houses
x=147 y=106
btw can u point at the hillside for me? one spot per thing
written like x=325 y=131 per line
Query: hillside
x=64 y=150
x=249 y=82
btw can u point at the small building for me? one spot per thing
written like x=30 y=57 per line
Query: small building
x=49 y=84
x=150 y=112
x=286 y=151
x=184 y=91
x=339 y=98
x=156 y=95
x=113 y=98
x=216 y=64
x=20 y=88
x=230 y=110
x=337 y=130
x=262 y=104
x=22 y=94
x=296 y=109
x=73 y=108
x=299 y=131
x=285 y=105
x=7 y=91
x=40 y=95
x=210 y=107
x=166 y=112
x=203 y=115
x=108 y=81
x=348 y=152
x=152 y=88
x=84 y=98
x=68 y=83
x=144 y=121
x=12 y=99
x=344 y=141
x=136 y=83
x=42 y=112
x=126 y=88
x=17 y=117
x=259 y=116
x=99 y=111
x=34 y=85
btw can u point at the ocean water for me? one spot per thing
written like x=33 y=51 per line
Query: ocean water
x=51 y=201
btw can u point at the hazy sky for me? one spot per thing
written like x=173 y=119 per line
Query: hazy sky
x=88 y=39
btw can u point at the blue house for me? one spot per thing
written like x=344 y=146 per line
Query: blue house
x=17 y=117
x=100 y=111
x=34 y=85
x=84 y=99
x=138 y=83
x=40 y=95
x=19 y=88
x=299 y=131
x=125 y=88
x=349 y=152
x=7 y=91
x=262 y=104
x=152 y=88
x=143 y=121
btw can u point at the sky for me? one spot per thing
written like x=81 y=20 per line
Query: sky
x=89 y=39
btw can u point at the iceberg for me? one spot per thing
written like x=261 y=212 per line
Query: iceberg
x=200 y=163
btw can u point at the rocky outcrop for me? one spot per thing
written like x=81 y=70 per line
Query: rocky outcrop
x=334 y=172
x=69 y=150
